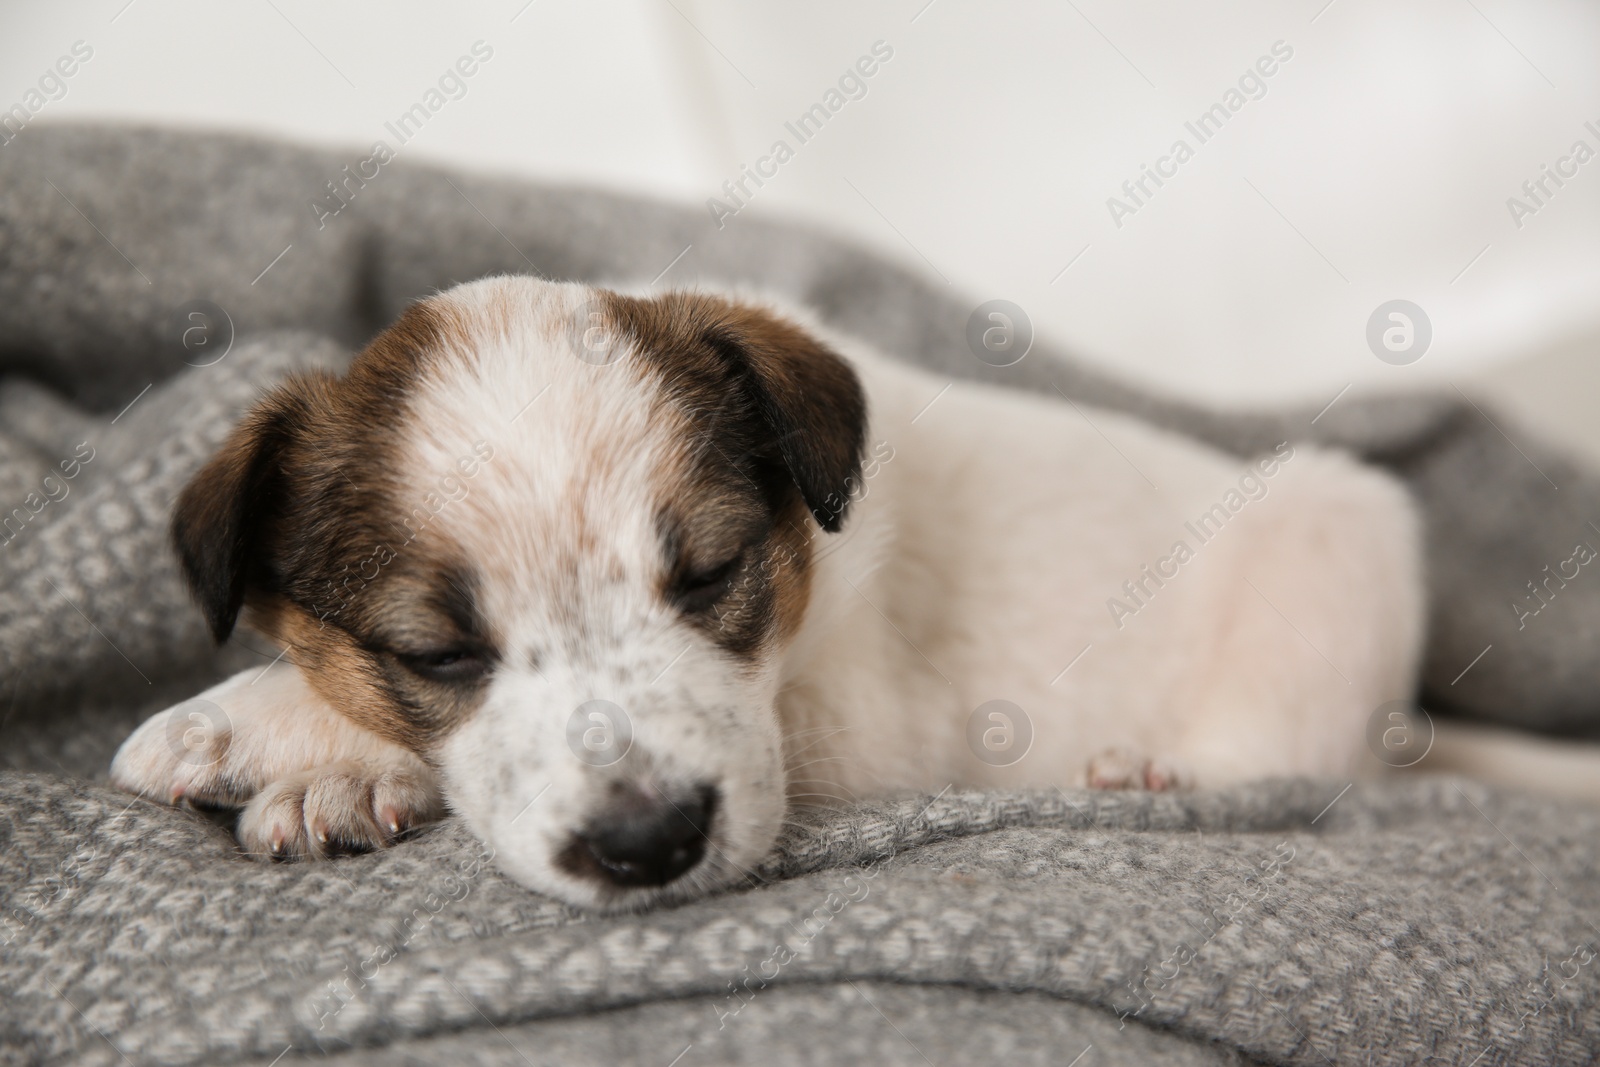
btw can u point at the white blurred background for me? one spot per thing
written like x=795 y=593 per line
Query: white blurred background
x=1377 y=165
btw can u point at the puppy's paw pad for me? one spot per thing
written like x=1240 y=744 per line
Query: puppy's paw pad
x=1115 y=768
x=339 y=809
x=1120 y=768
x=1161 y=776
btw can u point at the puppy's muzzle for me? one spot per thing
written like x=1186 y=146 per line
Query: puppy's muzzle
x=643 y=836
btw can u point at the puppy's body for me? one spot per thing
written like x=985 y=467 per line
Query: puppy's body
x=991 y=558
x=680 y=507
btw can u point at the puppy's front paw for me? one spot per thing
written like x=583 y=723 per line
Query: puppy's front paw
x=1119 y=768
x=311 y=782
x=183 y=752
x=341 y=808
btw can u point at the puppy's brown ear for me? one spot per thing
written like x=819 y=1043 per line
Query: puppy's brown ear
x=809 y=399
x=220 y=517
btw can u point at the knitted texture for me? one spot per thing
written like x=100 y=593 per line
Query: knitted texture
x=1398 y=924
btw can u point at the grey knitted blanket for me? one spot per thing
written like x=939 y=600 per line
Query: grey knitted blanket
x=151 y=283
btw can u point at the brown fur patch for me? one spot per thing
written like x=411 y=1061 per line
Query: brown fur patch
x=774 y=426
x=359 y=674
x=758 y=382
x=296 y=520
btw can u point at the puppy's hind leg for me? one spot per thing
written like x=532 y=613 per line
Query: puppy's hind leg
x=1315 y=606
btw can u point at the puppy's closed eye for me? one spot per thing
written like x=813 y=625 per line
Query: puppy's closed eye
x=698 y=589
x=451 y=665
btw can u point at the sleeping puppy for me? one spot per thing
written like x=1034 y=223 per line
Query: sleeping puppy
x=618 y=578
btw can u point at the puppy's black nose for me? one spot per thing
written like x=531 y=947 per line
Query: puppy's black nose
x=646 y=839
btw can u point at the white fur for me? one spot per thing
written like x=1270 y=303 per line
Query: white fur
x=265 y=739
x=988 y=535
x=995 y=537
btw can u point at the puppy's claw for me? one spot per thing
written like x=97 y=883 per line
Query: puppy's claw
x=310 y=782
x=1161 y=775
x=339 y=809
x=1115 y=768
x=1119 y=768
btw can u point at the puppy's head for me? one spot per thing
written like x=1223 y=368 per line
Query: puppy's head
x=555 y=540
